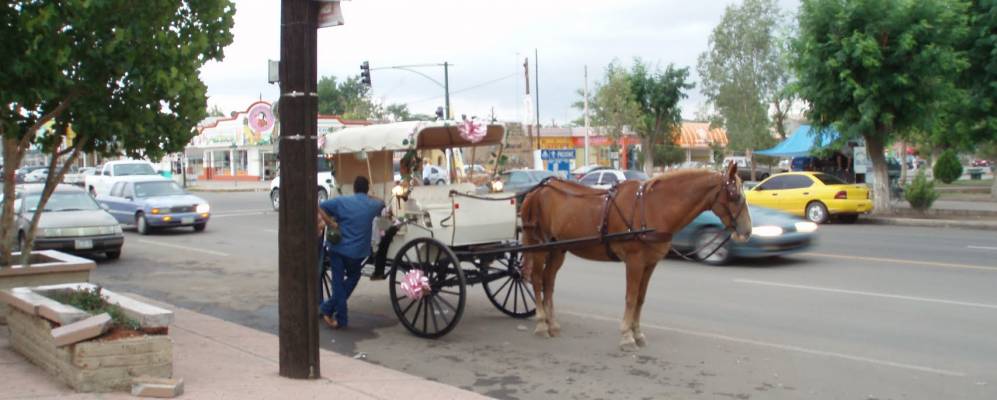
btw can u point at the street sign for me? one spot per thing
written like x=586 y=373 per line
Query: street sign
x=557 y=154
x=330 y=14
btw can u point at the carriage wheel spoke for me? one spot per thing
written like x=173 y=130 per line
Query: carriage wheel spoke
x=408 y=307
x=425 y=317
x=418 y=310
x=447 y=303
x=507 y=293
x=436 y=326
x=449 y=292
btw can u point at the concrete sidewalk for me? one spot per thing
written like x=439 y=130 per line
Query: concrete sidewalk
x=228 y=186
x=221 y=360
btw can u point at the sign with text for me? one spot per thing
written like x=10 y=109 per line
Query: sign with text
x=560 y=154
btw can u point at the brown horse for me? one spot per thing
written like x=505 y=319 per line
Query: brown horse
x=560 y=210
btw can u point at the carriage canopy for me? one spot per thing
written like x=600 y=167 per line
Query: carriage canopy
x=409 y=135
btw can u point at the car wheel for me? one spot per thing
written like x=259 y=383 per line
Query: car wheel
x=707 y=241
x=441 y=182
x=113 y=255
x=322 y=195
x=848 y=218
x=93 y=193
x=200 y=227
x=20 y=241
x=141 y=225
x=816 y=212
x=275 y=199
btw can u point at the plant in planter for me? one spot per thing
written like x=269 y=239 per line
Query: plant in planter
x=91 y=339
x=104 y=78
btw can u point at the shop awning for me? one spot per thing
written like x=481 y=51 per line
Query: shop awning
x=801 y=142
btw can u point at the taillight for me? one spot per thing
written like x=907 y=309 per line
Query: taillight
x=512 y=201
x=841 y=195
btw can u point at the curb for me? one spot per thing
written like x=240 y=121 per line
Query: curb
x=225 y=190
x=936 y=223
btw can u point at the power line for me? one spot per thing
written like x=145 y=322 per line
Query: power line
x=472 y=87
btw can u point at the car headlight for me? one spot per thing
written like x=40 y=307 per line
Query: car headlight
x=766 y=231
x=806 y=227
x=203 y=208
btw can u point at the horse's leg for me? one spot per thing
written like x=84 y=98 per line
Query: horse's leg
x=638 y=335
x=550 y=274
x=538 y=260
x=635 y=271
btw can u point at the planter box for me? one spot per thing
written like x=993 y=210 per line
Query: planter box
x=48 y=267
x=92 y=365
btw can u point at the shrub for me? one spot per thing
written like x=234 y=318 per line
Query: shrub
x=94 y=303
x=921 y=193
x=948 y=168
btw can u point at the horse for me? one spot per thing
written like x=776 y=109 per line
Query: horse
x=640 y=216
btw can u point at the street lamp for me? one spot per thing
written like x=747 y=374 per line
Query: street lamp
x=365 y=68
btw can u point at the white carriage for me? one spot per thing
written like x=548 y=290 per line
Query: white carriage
x=453 y=235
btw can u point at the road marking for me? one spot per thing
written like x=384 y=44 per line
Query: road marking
x=798 y=349
x=981 y=247
x=188 y=248
x=271 y=230
x=240 y=214
x=245 y=210
x=870 y=294
x=901 y=261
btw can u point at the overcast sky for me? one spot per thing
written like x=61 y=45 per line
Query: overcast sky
x=486 y=41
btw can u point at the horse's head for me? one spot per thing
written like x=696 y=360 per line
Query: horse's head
x=731 y=207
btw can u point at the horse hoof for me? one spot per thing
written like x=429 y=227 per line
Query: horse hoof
x=628 y=346
x=640 y=340
x=542 y=331
x=555 y=331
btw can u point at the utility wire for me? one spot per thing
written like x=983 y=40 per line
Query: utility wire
x=472 y=87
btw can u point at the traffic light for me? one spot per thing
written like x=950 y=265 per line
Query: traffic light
x=365 y=73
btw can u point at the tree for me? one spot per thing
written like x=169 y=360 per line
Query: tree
x=657 y=94
x=108 y=77
x=398 y=112
x=613 y=106
x=875 y=68
x=948 y=168
x=216 y=112
x=348 y=99
x=744 y=71
x=980 y=110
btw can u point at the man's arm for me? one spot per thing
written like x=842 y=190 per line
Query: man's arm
x=327 y=219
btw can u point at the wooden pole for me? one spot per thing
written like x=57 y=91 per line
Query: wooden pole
x=297 y=240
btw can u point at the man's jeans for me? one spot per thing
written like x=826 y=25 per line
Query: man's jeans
x=345 y=275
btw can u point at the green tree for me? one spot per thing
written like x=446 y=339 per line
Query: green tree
x=877 y=68
x=657 y=94
x=613 y=105
x=398 y=112
x=948 y=168
x=348 y=99
x=216 y=112
x=106 y=76
x=979 y=116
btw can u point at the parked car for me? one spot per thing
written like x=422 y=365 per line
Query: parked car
x=112 y=172
x=151 y=202
x=814 y=195
x=981 y=163
x=580 y=172
x=71 y=221
x=520 y=181
x=434 y=175
x=774 y=233
x=324 y=179
x=762 y=171
x=478 y=169
x=37 y=175
x=78 y=177
x=605 y=179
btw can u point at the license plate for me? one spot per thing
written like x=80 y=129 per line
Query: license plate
x=83 y=244
x=188 y=220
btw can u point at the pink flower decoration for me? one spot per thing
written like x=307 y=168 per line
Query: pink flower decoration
x=415 y=284
x=472 y=130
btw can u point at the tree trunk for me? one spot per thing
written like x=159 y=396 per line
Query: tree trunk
x=903 y=164
x=751 y=163
x=8 y=232
x=881 y=186
x=55 y=175
x=647 y=147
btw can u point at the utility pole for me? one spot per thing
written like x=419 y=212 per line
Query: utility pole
x=446 y=86
x=297 y=290
x=586 y=115
x=536 y=90
x=526 y=74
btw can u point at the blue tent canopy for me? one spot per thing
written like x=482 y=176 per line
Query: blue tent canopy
x=801 y=142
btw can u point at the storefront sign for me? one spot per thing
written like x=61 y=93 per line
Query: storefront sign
x=560 y=154
x=563 y=142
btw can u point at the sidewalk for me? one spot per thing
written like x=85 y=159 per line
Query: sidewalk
x=228 y=186
x=221 y=360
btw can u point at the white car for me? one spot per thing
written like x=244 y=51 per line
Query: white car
x=38 y=175
x=434 y=175
x=324 y=180
x=606 y=178
x=100 y=184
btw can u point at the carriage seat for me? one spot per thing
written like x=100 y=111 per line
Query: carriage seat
x=434 y=196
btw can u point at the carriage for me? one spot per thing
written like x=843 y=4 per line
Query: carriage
x=439 y=239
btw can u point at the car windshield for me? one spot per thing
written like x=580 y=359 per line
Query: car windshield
x=63 y=201
x=635 y=175
x=829 y=179
x=133 y=169
x=153 y=189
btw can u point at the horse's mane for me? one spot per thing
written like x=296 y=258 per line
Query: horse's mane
x=683 y=174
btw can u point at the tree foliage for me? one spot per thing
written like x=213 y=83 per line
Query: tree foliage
x=657 y=94
x=876 y=69
x=979 y=115
x=124 y=76
x=745 y=70
x=948 y=168
x=613 y=105
x=349 y=98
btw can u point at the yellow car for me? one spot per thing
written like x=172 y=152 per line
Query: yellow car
x=813 y=195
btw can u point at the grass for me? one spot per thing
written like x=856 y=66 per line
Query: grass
x=968 y=182
x=91 y=301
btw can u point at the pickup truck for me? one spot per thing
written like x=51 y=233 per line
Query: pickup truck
x=324 y=180
x=99 y=184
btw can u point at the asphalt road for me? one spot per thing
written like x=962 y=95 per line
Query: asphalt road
x=870 y=312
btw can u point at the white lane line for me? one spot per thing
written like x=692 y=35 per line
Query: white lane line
x=901 y=261
x=271 y=230
x=238 y=214
x=244 y=210
x=981 y=247
x=870 y=294
x=786 y=347
x=188 y=248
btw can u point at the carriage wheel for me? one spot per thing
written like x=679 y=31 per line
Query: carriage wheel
x=436 y=313
x=508 y=291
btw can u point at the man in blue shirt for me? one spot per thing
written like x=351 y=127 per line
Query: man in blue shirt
x=354 y=216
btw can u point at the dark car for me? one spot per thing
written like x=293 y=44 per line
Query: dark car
x=71 y=221
x=773 y=233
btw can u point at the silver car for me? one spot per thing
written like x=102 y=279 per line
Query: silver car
x=71 y=221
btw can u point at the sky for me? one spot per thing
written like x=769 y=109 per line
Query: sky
x=485 y=41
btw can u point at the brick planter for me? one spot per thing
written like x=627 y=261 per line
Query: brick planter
x=49 y=267
x=90 y=365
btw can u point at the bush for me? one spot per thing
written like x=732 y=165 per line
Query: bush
x=94 y=303
x=948 y=168
x=921 y=193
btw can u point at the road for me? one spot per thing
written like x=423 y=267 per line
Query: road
x=870 y=312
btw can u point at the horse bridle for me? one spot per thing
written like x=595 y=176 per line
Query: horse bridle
x=729 y=184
